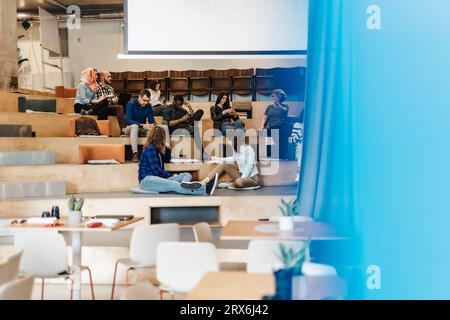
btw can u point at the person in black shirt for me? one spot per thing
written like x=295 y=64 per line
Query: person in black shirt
x=182 y=122
x=225 y=117
x=178 y=117
x=276 y=118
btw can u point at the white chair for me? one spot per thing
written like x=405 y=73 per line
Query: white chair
x=264 y=256
x=181 y=265
x=296 y=218
x=19 y=289
x=143 y=246
x=9 y=268
x=45 y=255
x=202 y=232
x=318 y=269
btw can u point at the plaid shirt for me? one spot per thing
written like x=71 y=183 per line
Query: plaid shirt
x=151 y=164
x=105 y=89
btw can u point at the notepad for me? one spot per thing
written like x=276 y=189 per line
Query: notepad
x=109 y=161
x=184 y=160
x=41 y=220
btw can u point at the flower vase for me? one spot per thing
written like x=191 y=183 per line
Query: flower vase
x=75 y=217
x=286 y=223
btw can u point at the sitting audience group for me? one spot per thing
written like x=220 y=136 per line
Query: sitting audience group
x=95 y=96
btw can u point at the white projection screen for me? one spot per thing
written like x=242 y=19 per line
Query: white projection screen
x=261 y=27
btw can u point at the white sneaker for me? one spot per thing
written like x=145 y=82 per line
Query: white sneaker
x=211 y=186
x=297 y=177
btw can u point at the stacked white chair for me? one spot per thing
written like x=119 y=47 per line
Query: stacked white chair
x=18 y=289
x=143 y=247
x=181 y=265
x=9 y=268
x=45 y=255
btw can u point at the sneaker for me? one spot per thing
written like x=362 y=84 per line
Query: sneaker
x=193 y=185
x=135 y=157
x=223 y=185
x=211 y=186
x=297 y=177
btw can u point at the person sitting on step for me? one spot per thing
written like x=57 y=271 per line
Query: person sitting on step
x=139 y=119
x=158 y=108
x=246 y=176
x=182 y=120
x=85 y=100
x=179 y=117
x=105 y=89
x=224 y=116
x=153 y=177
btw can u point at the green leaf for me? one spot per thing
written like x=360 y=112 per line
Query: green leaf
x=71 y=203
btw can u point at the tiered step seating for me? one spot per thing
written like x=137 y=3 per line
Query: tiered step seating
x=44 y=182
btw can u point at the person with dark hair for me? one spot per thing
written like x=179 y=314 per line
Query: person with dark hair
x=105 y=89
x=224 y=116
x=178 y=117
x=276 y=118
x=153 y=177
x=85 y=99
x=182 y=121
x=139 y=119
x=155 y=92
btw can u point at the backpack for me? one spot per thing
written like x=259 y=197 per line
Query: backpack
x=86 y=126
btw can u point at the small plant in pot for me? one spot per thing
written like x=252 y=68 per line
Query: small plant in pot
x=292 y=260
x=75 y=206
x=289 y=209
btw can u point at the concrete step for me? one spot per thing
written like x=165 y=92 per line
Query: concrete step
x=123 y=177
x=66 y=148
x=31 y=189
x=26 y=158
x=50 y=124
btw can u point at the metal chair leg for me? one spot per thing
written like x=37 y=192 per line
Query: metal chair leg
x=92 y=284
x=114 y=280
x=127 y=277
x=71 y=289
x=42 y=288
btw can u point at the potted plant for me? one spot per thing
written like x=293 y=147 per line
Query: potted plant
x=289 y=209
x=292 y=261
x=75 y=205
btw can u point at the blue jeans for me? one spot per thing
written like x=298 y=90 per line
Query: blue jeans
x=172 y=184
x=229 y=126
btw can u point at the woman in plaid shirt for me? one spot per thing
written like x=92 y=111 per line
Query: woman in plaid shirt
x=153 y=177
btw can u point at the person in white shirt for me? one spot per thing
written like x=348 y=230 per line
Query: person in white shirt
x=297 y=139
x=247 y=173
x=155 y=95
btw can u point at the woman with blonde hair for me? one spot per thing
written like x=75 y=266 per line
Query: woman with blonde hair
x=85 y=102
x=153 y=177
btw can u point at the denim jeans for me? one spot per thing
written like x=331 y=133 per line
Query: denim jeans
x=229 y=126
x=172 y=184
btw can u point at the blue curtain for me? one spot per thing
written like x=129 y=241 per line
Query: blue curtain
x=376 y=158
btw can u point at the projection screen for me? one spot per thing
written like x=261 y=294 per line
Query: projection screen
x=221 y=27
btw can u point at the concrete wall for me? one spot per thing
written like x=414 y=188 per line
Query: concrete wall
x=8 y=40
